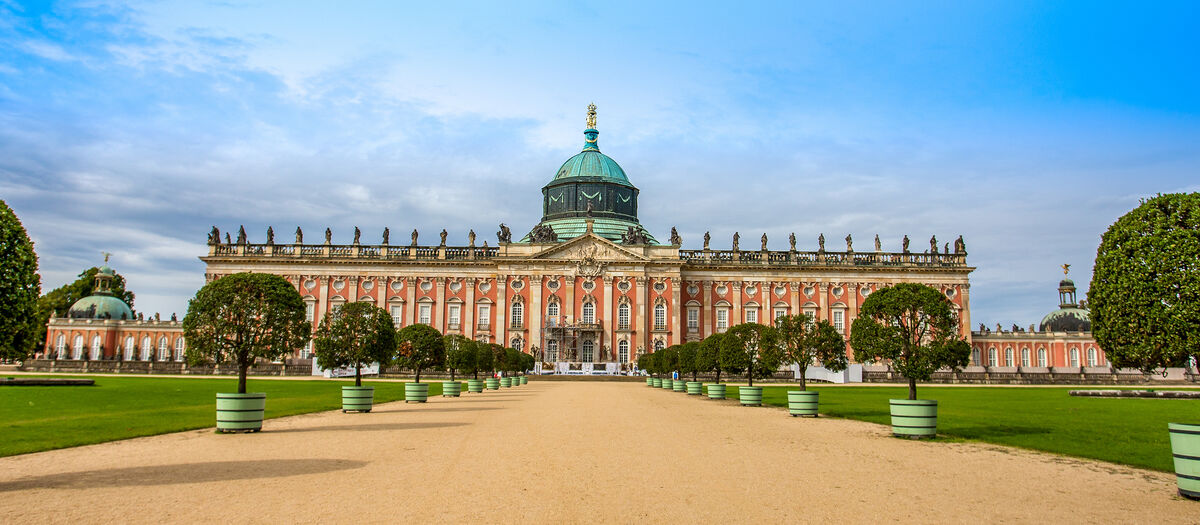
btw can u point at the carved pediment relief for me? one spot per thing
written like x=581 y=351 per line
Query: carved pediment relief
x=590 y=247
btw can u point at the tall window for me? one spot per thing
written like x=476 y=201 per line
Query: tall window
x=179 y=349
x=77 y=348
x=811 y=314
x=552 y=350
x=1024 y=357
x=623 y=316
x=454 y=316
x=424 y=313
x=751 y=315
x=1091 y=357
x=839 y=321
x=397 y=315
x=310 y=309
x=780 y=313
x=485 y=316
x=162 y=349
x=1074 y=358
x=660 y=316
x=517 y=343
x=95 y=353
x=589 y=313
x=552 y=314
x=693 y=319
x=60 y=346
x=659 y=345
x=991 y=357
x=1042 y=357
x=147 y=348
x=975 y=357
x=1008 y=356
x=518 y=315
x=588 y=349
x=623 y=351
x=129 y=348
x=722 y=319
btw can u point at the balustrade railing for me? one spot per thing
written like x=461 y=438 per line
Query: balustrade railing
x=797 y=258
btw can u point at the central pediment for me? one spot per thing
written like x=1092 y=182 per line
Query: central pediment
x=589 y=247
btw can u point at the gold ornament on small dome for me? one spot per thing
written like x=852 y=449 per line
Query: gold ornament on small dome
x=1066 y=268
x=591 y=117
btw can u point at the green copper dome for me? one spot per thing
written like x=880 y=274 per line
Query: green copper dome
x=594 y=166
x=100 y=307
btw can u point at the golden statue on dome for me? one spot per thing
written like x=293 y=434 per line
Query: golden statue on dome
x=1066 y=268
x=591 y=117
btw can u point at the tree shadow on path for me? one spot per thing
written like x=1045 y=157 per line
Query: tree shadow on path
x=182 y=473
x=370 y=427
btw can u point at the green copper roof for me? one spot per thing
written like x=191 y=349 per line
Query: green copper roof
x=591 y=163
x=100 y=307
x=611 y=229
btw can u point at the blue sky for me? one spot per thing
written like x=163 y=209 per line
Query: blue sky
x=1025 y=127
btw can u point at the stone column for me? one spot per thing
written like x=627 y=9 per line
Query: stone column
x=502 y=310
x=468 y=313
x=568 y=306
x=410 y=300
x=707 y=315
x=383 y=286
x=323 y=301
x=851 y=305
x=535 y=313
x=678 y=330
x=823 y=303
x=736 y=314
x=795 y=308
x=643 y=327
x=608 y=320
x=438 y=315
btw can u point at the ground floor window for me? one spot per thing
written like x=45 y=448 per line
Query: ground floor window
x=552 y=350
x=722 y=319
x=1041 y=357
x=623 y=351
x=1008 y=357
x=1074 y=358
x=179 y=349
x=1024 y=357
x=1091 y=357
x=588 y=349
x=991 y=357
x=693 y=319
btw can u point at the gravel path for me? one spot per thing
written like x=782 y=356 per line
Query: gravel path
x=572 y=452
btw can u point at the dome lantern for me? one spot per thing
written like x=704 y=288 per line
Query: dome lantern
x=1069 y=317
x=102 y=304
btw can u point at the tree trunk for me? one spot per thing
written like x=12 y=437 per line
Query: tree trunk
x=912 y=389
x=803 y=384
x=452 y=374
x=357 y=375
x=718 y=376
x=476 y=374
x=242 y=377
x=418 y=378
x=750 y=373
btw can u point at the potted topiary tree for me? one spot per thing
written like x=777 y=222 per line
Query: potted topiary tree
x=708 y=359
x=240 y=318
x=460 y=356
x=497 y=363
x=689 y=354
x=1145 y=304
x=481 y=361
x=420 y=347
x=666 y=366
x=914 y=327
x=355 y=335
x=527 y=364
x=806 y=342
x=647 y=362
x=511 y=364
x=752 y=349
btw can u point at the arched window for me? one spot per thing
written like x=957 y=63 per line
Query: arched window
x=518 y=315
x=623 y=316
x=95 y=351
x=660 y=316
x=552 y=313
x=1091 y=357
x=1074 y=357
x=991 y=357
x=517 y=343
x=77 y=348
x=1008 y=357
x=1042 y=357
x=623 y=351
x=60 y=346
x=589 y=313
x=659 y=345
x=179 y=349
x=552 y=350
x=147 y=348
x=975 y=356
x=163 y=354
x=1024 y=357
x=129 y=348
x=588 y=349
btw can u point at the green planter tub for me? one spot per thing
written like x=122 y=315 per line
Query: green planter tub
x=656 y=382
x=679 y=386
x=240 y=412
x=914 y=418
x=475 y=385
x=1185 y=446
x=493 y=383
x=505 y=382
x=750 y=396
x=650 y=381
x=524 y=380
x=357 y=398
x=694 y=388
x=802 y=403
x=716 y=391
x=668 y=384
x=451 y=388
x=416 y=392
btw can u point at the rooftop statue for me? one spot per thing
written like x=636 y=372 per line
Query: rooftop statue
x=676 y=240
x=414 y=237
x=241 y=235
x=270 y=235
x=849 y=243
x=443 y=235
x=634 y=236
x=386 y=234
x=736 y=237
x=357 y=235
x=214 y=236
x=328 y=236
x=764 y=242
x=821 y=242
x=905 y=244
x=946 y=248
x=504 y=235
x=792 y=241
x=878 y=245
x=933 y=244
x=471 y=238
x=299 y=235
x=591 y=116
x=543 y=233
x=227 y=241
x=959 y=245
x=707 y=238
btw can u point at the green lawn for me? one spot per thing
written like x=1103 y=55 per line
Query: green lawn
x=1127 y=431
x=36 y=418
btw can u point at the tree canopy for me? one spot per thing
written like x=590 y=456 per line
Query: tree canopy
x=20 y=326
x=686 y=357
x=647 y=362
x=485 y=359
x=355 y=335
x=708 y=356
x=753 y=349
x=59 y=300
x=1145 y=292
x=806 y=342
x=242 y=317
x=912 y=325
x=420 y=347
x=460 y=354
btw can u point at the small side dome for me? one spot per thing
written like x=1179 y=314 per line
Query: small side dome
x=1067 y=320
x=100 y=307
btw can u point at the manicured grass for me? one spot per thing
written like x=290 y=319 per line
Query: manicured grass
x=36 y=418
x=1128 y=431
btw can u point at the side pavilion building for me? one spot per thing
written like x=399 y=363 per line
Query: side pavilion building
x=588 y=284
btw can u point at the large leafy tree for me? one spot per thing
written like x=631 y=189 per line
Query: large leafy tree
x=647 y=362
x=59 y=300
x=915 y=327
x=806 y=342
x=420 y=347
x=485 y=360
x=686 y=354
x=668 y=359
x=460 y=354
x=243 y=317
x=708 y=356
x=355 y=335
x=1145 y=292
x=20 y=285
x=513 y=360
x=752 y=349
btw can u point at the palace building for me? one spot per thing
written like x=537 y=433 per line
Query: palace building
x=588 y=284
